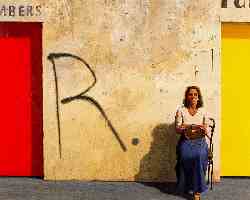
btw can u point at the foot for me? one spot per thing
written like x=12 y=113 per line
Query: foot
x=197 y=196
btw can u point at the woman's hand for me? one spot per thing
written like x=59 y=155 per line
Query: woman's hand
x=181 y=129
x=203 y=129
x=195 y=131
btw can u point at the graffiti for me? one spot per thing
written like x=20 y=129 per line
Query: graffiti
x=196 y=71
x=81 y=96
x=135 y=141
x=212 y=57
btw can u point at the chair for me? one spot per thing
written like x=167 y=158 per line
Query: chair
x=179 y=169
x=210 y=154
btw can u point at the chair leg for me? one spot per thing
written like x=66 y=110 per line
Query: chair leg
x=208 y=173
x=212 y=171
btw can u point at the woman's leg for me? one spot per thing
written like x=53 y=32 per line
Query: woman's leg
x=200 y=166
x=186 y=163
x=194 y=162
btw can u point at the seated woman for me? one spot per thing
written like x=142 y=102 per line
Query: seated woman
x=192 y=149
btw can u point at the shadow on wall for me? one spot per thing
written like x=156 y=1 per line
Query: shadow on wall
x=159 y=163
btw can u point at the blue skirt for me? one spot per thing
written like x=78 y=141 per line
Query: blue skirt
x=192 y=160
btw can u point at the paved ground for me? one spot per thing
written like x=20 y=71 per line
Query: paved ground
x=37 y=189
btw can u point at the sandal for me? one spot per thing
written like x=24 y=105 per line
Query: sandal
x=197 y=196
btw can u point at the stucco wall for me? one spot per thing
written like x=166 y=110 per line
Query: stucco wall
x=143 y=54
x=135 y=58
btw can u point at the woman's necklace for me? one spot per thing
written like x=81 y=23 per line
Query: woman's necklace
x=192 y=111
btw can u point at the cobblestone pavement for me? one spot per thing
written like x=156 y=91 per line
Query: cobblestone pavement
x=12 y=188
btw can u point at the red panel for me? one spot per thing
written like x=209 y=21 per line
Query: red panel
x=21 y=100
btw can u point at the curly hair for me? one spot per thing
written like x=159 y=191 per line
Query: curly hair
x=200 y=99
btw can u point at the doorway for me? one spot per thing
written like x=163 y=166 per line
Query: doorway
x=235 y=120
x=21 y=143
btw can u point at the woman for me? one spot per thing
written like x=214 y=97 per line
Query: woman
x=192 y=149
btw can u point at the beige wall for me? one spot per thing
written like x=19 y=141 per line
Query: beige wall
x=144 y=53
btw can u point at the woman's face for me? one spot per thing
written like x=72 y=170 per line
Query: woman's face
x=192 y=97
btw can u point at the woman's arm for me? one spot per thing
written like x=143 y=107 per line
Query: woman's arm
x=204 y=127
x=180 y=127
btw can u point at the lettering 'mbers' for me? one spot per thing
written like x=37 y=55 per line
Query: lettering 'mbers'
x=20 y=10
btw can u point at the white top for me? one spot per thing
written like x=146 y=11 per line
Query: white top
x=199 y=118
x=184 y=117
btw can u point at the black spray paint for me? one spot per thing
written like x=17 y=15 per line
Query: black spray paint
x=212 y=61
x=80 y=96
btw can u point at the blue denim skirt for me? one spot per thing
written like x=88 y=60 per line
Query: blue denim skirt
x=192 y=160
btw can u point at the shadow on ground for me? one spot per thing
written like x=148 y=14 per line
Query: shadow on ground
x=158 y=165
x=168 y=188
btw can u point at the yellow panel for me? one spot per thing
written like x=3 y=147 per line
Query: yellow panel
x=235 y=139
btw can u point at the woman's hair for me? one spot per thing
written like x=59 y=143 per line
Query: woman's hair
x=200 y=100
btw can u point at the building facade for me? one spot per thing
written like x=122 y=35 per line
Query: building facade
x=107 y=77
